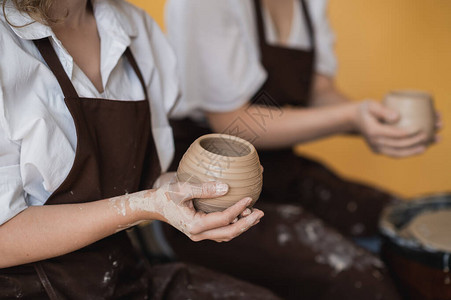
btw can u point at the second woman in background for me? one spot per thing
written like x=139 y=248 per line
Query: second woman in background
x=263 y=69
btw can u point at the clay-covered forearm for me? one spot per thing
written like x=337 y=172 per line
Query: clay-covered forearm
x=42 y=232
x=48 y=231
x=272 y=128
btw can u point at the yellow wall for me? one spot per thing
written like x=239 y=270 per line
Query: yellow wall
x=384 y=45
x=154 y=7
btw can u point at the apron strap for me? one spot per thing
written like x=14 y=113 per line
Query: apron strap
x=48 y=53
x=45 y=281
x=132 y=61
x=261 y=26
x=308 y=19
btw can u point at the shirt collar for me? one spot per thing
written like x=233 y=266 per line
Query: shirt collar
x=107 y=16
x=24 y=26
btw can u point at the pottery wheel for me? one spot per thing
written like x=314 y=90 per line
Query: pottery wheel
x=433 y=229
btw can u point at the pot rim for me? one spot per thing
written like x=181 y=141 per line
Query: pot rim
x=415 y=94
x=251 y=147
x=232 y=169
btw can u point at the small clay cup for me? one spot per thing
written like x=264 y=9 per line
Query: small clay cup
x=416 y=109
x=224 y=158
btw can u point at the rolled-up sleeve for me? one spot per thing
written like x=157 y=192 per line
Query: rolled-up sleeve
x=218 y=71
x=326 y=62
x=12 y=196
x=12 y=200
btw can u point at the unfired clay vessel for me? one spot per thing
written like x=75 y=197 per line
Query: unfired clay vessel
x=224 y=158
x=416 y=109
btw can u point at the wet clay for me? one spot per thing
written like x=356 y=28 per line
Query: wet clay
x=160 y=201
x=416 y=110
x=432 y=229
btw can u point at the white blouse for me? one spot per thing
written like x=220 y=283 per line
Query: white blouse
x=37 y=133
x=216 y=43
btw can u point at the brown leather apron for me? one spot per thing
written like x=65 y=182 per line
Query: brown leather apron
x=277 y=253
x=115 y=155
x=290 y=71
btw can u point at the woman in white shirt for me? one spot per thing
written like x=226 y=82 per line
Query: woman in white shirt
x=264 y=70
x=77 y=168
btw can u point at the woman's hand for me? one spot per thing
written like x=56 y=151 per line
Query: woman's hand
x=173 y=202
x=217 y=226
x=375 y=122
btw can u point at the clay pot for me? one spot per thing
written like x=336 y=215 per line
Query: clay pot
x=224 y=158
x=416 y=109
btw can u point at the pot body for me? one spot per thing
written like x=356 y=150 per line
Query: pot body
x=416 y=110
x=223 y=158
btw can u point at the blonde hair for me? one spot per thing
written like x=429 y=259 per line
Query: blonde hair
x=38 y=10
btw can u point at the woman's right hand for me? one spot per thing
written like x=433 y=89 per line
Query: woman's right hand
x=174 y=202
x=375 y=122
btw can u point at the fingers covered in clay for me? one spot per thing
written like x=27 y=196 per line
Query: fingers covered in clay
x=220 y=219
x=174 y=203
x=182 y=191
x=231 y=231
x=246 y=213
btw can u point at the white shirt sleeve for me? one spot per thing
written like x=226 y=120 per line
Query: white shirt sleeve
x=165 y=76
x=155 y=53
x=12 y=195
x=218 y=70
x=326 y=62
